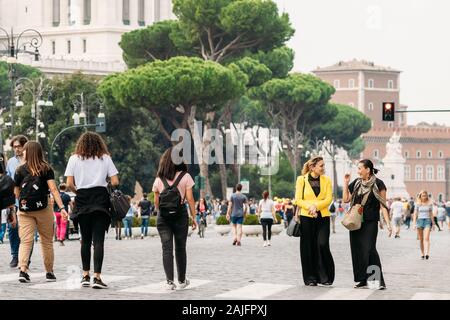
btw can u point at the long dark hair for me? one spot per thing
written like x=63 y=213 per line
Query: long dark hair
x=368 y=164
x=167 y=168
x=2 y=164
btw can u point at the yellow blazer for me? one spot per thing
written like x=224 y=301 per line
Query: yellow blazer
x=322 y=201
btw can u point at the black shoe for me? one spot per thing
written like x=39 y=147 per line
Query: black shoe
x=234 y=242
x=427 y=257
x=423 y=257
x=326 y=284
x=86 y=281
x=361 y=285
x=50 y=277
x=98 y=284
x=311 y=284
x=24 y=277
x=14 y=262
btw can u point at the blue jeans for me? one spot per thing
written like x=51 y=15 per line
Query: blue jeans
x=14 y=240
x=144 y=225
x=2 y=231
x=128 y=224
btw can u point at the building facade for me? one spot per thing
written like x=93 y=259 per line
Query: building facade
x=426 y=147
x=80 y=35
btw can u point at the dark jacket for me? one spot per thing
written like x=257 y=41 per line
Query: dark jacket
x=7 y=197
x=91 y=201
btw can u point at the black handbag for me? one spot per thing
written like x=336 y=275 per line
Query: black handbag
x=119 y=204
x=294 y=228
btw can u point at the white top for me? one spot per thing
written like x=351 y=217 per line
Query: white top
x=266 y=209
x=397 y=209
x=90 y=173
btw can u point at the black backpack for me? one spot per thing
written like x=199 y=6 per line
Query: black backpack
x=170 y=201
x=7 y=197
x=31 y=197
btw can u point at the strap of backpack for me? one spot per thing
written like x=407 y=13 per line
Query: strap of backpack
x=180 y=176
x=166 y=185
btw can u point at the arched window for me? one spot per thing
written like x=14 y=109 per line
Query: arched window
x=126 y=12
x=56 y=19
x=391 y=84
x=141 y=12
x=87 y=12
x=418 y=154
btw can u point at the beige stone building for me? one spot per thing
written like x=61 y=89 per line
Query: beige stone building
x=426 y=147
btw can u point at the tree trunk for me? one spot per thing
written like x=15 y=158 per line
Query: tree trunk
x=335 y=185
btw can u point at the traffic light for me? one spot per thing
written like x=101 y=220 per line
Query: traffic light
x=388 y=111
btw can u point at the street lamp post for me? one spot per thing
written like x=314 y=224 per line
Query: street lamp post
x=10 y=56
x=36 y=91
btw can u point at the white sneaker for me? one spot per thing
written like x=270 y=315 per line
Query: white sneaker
x=268 y=243
x=184 y=284
x=265 y=244
x=170 y=285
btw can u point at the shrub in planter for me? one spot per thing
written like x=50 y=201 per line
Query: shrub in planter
x=152 y=221
x=222 y=221
x=251 y=220
x=278 y=219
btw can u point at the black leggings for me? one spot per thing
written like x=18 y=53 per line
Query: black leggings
x=93 y=227
x=170 y=229
x=267 y=228
x=437 y=223
x=317 y=261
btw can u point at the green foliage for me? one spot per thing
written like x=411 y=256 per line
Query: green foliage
x=256 y=72
x=159 y=41
x=251 y=220
x=162 y=86
x=138 y=221
x=222 y=221
x=278 y=219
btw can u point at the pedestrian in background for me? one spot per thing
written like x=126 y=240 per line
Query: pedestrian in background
x=397 y=214
x=128 y=220
x=145 y=209
x=267 y=216
x=423 y=221
x=237 y=211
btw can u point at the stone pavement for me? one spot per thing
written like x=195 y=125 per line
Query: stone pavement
x=218 y=270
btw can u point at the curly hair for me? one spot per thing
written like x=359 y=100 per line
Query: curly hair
x=91 y=145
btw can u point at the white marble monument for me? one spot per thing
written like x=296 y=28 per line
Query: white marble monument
x=393 y=169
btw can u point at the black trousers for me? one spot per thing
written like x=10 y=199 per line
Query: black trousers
x=170 y=230
x=317 y=261
x=93 y=227
x=365 y=258
x=267 y=228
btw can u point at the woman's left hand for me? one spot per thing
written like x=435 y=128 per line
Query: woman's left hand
x=64 y=215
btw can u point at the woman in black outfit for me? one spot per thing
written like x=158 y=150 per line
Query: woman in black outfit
x=365 y=258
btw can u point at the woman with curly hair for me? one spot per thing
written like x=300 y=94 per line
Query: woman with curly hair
x=87 y=173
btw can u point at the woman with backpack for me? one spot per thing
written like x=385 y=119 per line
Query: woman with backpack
x=34 y=181
x=87 y=172
x=172 y=188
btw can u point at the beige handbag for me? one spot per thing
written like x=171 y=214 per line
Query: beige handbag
x=353 y=218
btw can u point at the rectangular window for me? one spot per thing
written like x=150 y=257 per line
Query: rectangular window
x=84 y=45
x=53 y=47
x=126 y=12
x=419 y=173
x=87 y=12
x=337 y=84
x=430 y=173
x=371 y=83
x=69 y=47
x=351 y=83
x=440 y=173
x=391 y=84
x=56 y=13
x=407 y=172
x=71 y=12
x=141 y=12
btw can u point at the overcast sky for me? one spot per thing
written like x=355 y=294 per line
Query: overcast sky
x=408 y=35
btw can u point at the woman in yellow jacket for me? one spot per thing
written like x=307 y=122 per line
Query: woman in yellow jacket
x=313 y=196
